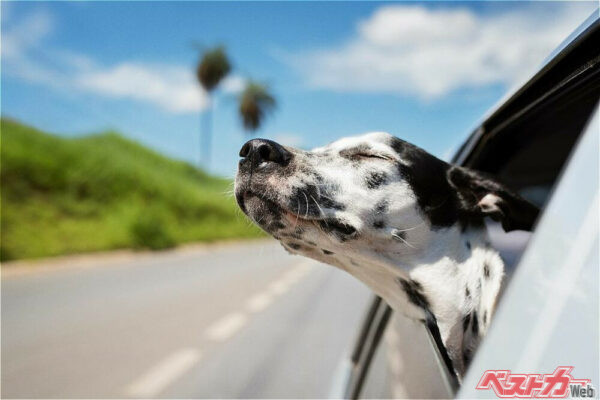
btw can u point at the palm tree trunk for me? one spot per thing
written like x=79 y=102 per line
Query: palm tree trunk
x=206 y=145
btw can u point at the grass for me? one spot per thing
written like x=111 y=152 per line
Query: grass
x=100 y=192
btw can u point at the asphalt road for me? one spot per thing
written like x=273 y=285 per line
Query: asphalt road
x=242 y=320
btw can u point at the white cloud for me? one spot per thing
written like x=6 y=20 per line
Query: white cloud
x=233 y=84
x=26 y=34
x=430 y=52
x=173 y=88
x=25 y=55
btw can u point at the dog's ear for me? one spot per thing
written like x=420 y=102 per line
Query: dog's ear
x=481 y=195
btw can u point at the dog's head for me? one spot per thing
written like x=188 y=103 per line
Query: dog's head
x=365 y=197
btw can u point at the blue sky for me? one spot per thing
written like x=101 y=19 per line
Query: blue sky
x=425 y=72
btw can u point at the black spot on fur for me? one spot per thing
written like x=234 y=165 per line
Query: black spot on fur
x=327 y=252
x=467 y=293
x=485 y=317
x=486 y=271
x=311 y=243
x=413 y=291
x=340 y=229
x=475 y=325
x=327 y=202
x=466 y=320
x=468 y=245
x=378 y=224
x=381 y=207
x=275 y=226
x=376 y=179
x=294 y=246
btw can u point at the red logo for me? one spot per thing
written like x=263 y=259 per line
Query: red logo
x=558 y=384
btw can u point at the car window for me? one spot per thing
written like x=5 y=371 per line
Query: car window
x=549 y=315
x=526 y=144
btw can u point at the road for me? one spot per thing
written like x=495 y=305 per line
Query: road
x=245 y=320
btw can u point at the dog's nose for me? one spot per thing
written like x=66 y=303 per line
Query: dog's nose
x=259 y=150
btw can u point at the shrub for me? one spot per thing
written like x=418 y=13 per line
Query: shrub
x=100 y=192
x=150 y=230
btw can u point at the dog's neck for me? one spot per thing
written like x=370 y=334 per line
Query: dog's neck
x=457 y=280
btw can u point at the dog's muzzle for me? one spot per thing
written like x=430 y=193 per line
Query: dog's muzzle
x=260 y=158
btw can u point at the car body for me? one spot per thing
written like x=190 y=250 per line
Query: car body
x=542 y=140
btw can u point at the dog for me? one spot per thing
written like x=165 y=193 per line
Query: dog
x=407 y=224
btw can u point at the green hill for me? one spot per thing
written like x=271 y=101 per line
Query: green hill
x=70 y=195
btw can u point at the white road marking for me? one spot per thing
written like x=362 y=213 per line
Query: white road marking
x=171 y=368
x=226 y=327
x=278 y=287
x=294 y=275
x=259 y=302
x=163 y=374
x=262 y=300
x=290 y=278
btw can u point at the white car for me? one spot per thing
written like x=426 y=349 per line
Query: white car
x=543 y=141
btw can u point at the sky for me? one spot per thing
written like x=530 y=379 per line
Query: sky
x=425 y=72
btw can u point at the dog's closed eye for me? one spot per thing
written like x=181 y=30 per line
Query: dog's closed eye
x=362 y=152
x=369 y=155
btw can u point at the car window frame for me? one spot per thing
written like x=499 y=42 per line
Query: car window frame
x=379 y=313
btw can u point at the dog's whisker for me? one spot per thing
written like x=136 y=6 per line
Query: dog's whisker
x=296 y=222
x=318 y=206
x=321 y=195
x=306 y=198
x=400 y=238
x=410 y=229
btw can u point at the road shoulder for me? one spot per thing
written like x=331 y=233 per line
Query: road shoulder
x=17 y=268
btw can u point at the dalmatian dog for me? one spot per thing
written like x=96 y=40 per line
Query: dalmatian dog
x=405 y=223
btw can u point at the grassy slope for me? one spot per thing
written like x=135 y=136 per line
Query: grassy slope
x=104 y=192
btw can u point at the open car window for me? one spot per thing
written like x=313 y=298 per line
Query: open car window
x=526 y=143
x=548 y=317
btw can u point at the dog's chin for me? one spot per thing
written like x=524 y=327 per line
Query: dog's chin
x=256 y=207
x=269 y=215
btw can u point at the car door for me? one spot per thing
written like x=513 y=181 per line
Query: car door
x=526 y=142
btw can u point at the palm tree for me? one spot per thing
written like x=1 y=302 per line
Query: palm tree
x=255 y=103
x=214 y=65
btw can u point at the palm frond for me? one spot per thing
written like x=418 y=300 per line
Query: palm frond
x=213 y=67
x=256 y=102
